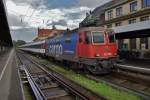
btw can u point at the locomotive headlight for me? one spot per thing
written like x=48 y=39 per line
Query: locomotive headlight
x=97 y=55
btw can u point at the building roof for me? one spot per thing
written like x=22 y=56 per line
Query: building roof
x=97 y=16
x=45 y=33
x=99 y=10
x=5 y=37
x=116 y=3
x=94 y=17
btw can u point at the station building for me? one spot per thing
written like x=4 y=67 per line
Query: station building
x=131 y=21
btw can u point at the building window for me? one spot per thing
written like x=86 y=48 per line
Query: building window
x=118 y=24
x=131 y=21
x=109 y=26
x=145 y=18
x=145 y=3
x=110 y=14
x=144 y=43
x=133 y=6
x=133 y=43
x=119 y=11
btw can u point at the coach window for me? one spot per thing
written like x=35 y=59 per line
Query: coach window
x=88 y=38
x=68 y=40
x=98 y=37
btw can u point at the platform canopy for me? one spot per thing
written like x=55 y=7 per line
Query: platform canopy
x=136 y=30
x=5 y=37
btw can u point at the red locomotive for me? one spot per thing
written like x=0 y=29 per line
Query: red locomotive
x=97 y=48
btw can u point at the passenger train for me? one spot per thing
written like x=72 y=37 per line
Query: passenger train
x=91 y=48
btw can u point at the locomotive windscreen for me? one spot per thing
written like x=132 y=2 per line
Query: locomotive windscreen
x=98 y=37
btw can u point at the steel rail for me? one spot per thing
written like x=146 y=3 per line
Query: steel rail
x=118 y=86
x=39 y=95
x=68 y=86
x=36 y=90
x=63 y=83
x=127 y=68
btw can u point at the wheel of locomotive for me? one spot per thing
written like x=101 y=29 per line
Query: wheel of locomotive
x=85 y=69
x=74 y=65
x=79 y=69
x=102 y=67
x=94 y=69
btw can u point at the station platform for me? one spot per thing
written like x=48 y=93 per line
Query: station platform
x=141 y=63
x=10 y=88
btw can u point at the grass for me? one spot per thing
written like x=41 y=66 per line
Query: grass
x=98 y=88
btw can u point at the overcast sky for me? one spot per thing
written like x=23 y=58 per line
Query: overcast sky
x=25 y=16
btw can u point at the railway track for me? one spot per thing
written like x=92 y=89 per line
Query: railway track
x=51 y=86
x=127 y=79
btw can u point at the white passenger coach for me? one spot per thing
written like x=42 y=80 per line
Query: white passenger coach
x=35 y=47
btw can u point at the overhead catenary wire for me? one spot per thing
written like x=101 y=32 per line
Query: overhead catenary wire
x=26 y=12
x=18 y=14
x=34 y=10
x=29 y=14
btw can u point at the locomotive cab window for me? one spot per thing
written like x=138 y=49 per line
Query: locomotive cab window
x=88 y=38
x=80 y=38
x=98 y=37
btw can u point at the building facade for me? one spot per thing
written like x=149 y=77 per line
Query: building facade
x=131 y=21
x=130 y=12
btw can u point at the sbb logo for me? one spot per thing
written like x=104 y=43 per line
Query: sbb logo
x=55 y=49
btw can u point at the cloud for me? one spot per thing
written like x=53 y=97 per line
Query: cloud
x=41 y=17
x=16 y=21
x=60 y=4
x=91 y=3
x=50 y=4
x=25 y=16
x=26 y=34
x=32 y=3
x=60 y=22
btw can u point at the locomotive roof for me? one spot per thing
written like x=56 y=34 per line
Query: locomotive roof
x=94 y=29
